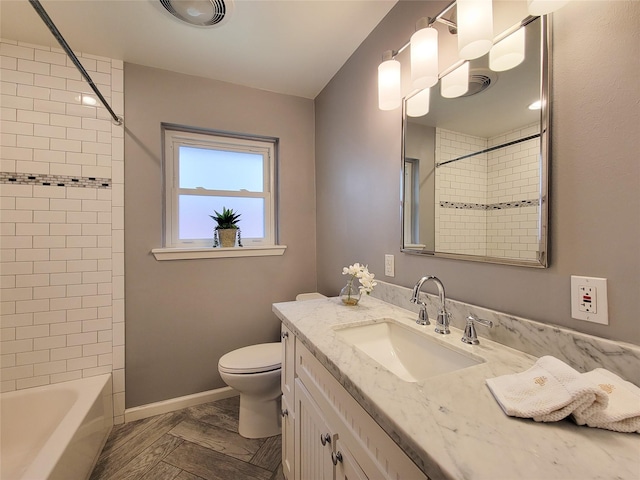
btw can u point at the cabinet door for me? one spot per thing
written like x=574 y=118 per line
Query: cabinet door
x=346 y=466
x=313 y=440
x=288 y=363
x=288 y=445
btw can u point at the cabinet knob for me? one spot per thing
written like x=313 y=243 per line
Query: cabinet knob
x=284 y=412
x=285 y=334
x=324 y=439
x=336 y=457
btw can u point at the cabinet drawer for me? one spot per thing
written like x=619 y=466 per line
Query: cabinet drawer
x=376 y=453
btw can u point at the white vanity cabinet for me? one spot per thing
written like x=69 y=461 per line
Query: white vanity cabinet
x=288 y=411
x=334 y=437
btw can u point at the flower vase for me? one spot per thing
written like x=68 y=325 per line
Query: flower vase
x=350 y=294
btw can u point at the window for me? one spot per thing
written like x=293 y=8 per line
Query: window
x=206 y=171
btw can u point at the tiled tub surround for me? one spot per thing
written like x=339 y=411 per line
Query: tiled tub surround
x=492 y=196
x=450 y=425
x=62 y=220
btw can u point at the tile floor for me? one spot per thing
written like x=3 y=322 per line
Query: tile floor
x=195 y=443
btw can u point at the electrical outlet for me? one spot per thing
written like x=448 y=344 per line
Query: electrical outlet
x=589 y=299
x=389 y=267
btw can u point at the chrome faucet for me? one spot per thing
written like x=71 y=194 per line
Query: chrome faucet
x=442 y=322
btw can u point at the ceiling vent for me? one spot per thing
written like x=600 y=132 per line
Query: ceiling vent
x=200 y=13
x=480 y=80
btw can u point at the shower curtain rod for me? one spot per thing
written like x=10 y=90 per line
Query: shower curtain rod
x=490 y=149
x=65 y=46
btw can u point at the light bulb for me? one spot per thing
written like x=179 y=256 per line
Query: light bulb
x=508 y=52
x=543 y=7
x=475 y=28
x=389 y=90
x=424 y=58
x=418 y=105
x=455 y=83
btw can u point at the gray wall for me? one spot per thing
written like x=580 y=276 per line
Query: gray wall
x=595 y=174
x=183 y=315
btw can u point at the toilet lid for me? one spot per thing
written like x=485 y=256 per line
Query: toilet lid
x=263 y=357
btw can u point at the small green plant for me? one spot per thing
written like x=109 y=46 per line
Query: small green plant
x=227 y=219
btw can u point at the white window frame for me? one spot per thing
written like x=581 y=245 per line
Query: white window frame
x=174 y=137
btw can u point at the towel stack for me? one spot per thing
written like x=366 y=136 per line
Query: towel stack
x=551 y=390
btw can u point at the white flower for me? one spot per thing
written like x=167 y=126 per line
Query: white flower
x=361 y=272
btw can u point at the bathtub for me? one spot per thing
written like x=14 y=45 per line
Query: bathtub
x=56 y=431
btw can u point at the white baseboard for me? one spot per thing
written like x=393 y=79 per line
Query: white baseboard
x=173 y=404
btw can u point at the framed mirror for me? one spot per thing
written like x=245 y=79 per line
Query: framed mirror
x=475 y=167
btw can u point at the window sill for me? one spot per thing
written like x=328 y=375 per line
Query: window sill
x=163 y=254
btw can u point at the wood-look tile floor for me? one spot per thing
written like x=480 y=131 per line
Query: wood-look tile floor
x=200 y=442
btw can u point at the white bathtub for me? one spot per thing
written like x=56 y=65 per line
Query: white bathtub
x=56 y=431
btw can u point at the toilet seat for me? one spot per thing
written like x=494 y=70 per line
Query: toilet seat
x=264 y=357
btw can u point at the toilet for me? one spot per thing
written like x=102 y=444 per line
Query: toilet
x=255 y=372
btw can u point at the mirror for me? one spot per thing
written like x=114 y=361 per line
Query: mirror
x=475 y=168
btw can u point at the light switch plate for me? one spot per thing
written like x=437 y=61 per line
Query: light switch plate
x=589 y=299
x=389 y=267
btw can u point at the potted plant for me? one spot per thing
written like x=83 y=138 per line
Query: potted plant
x=227 y=228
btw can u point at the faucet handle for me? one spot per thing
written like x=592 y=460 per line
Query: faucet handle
x=470 y=335
x=423 y=316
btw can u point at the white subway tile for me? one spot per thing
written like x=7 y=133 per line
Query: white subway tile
x=49 y=242
x=96 y=301
x=66 y=377
x=7 y=281
x=81 y=158
x=65 y=303
x=66 y=353
x=82 y=363
x=101 y=369
x=105 y=242
x=96 y=124
x=105 y=311
x=32 y=142
x=118 y=356
x=96 y=229
x=29 y=358
x=96 y=349
x=81 y=111
x=16 y=216
x=82 y=266
x=50 y=131
x=97 y=172
x=11 y=115
x=49 y=106
x=14 y=373
x=33 y=67
x=31 y=306
x=50 y=57
x=16 y=346
x=40 y=155
x=65 y=72
x=65 y=205
x=33 y=92
x=42 y=216
x=32 y=382
x=79 y=86
x=66 y=145
x=32 y=167
x=118 y=334
x=13 y=101
x=118 y=310
x=105 y=289
x=9 y=63
x=82 y=314
x=95 y=325
x=96 y=148
x=32 y=204
x=81 y=241
x=82 y=193
x=37 y=280
x=65 y=253
x=50 y=267
x=49 y=368
x=68 y=170
x=48 y=192
x=48 y=81
x=16 y=294
x=17 y=320
x=11 y=50
x=19 y=241
x=8 y=360
x=18 y=128
x=81 y=338
x=56 y=291
x=7 y=308
x=82 y=217
x=16 y=268
x=15 y=76
x=105 y=265
x=7 y=139
x=65 y=229
x=105 y=358
x=65 y=120
x=42 y=318
x=104 y=217
x=82 y=290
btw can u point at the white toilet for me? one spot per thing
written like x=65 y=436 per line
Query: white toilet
x=254 y=371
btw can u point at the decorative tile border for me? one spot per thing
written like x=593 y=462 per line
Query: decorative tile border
x=54 y=180
x=492 y=206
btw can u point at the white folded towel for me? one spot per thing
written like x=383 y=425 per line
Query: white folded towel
x=623 y=410
x=549 y=391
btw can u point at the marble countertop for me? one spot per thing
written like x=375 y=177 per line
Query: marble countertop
x=450 y=424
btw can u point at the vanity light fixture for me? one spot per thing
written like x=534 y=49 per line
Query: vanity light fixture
x=456 y=82
x=424 y=55
x=475 y=28
x=508 y=52
x=418 y=105
x=389 y=90
x=543 y=7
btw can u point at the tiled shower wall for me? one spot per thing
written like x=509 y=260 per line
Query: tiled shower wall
x=62 y=220
x=490 y=196
x=460 y=230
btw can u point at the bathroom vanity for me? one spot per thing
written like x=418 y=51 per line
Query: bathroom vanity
x=345 y=415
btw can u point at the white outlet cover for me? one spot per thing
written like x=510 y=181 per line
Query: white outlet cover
x=602 y=312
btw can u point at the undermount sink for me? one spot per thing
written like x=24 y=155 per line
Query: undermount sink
x=409 y=354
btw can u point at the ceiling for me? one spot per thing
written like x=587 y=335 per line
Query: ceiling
x=286 y=46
